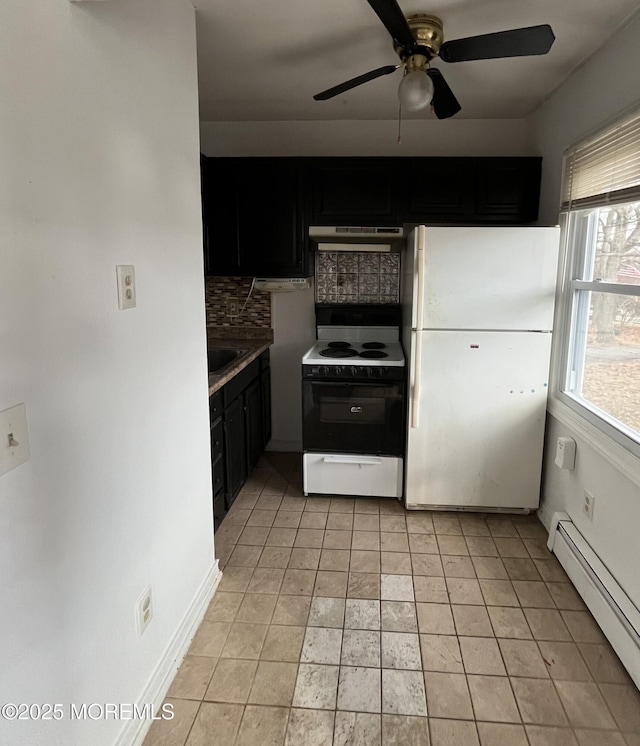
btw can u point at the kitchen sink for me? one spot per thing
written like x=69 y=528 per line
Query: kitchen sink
x=221 y=358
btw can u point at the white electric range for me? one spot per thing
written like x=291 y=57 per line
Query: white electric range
x=353 y=401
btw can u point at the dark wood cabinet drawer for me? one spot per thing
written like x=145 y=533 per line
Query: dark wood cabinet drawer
x=217 y=438
x=217 y=474
x=216 y=406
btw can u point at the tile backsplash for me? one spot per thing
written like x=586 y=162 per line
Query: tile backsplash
x=219 y=290
x=357 y=277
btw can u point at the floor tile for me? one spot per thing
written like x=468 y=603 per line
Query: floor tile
x=604 y=665
x=493 y=699
x=502 y=734
x=398 y=616
x=357 y=729
x=283 y=643
x=533 y=594
x=192 y=678
x=489 y=568
x=362 y=614
x=254 y=535
x=394 y=541
x=435 y=619
x=235 y=579
x=453 y=732
x=547 y=624
x=231 y=681
x=366 y=541
x=292 y=610
x=244 y=641
x=452 y=545
x=565 y=597
x=582 y=626
x=309 y=538
x=520 y=568
x=337 y=539
x=361 y=648
x=298 y=582
x=363 y=585
x=327 y=612
x=213 y=717
x=366 y=522
x=223 y=607
x=458 y=567
x=599 y=738
x=256 y=607
x=245 y=556
x=404 y=730
x=586 y=706
x=401 y=650
x=441 y=653
x=564 y=661
x=430 y=589
x=544 y=735
x=287 y=519
x=281 y=537
x=509 y=622
x=464 y=591
x=335 y=559
x=310 y=727
x=210 y=638
x=313 y=520
x=316 y=687
x=273 y=683
x=423 y=544
x=321 y=645
x=481 y=546
x=394 y=523
x=303 y=559
x=427 y=564
x=261 y=518
x=274 y=557
x=471 y=621
x=403 y=692
x=448 y=695
x=523 y=658
x=365 y=561
x=396 y=563
x=396 y=588
x=359 y=689
x=498 y=592
x=538 y=702
x=331 y=583
x=482 y=655
x=340 y=521
x=262 y=725
x=419 y=523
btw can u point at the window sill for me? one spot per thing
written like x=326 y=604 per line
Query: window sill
x=620 y=458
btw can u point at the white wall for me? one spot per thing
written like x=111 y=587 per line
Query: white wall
x=99 y=146
x=598 y=91
x=361 y=138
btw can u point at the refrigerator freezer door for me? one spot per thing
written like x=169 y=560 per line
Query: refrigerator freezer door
x=481 y=421
x=490 y=278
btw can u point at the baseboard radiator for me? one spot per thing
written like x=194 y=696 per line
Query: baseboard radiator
x=611 y=607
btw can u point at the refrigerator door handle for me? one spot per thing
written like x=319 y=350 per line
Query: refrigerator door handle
x=359 y=460
x=420 y=270
x=417 y=372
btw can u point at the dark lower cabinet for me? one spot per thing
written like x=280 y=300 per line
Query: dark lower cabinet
x=240 y=415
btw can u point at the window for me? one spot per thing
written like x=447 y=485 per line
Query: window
x=601 y=293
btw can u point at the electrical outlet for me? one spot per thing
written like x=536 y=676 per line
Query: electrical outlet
x=144 y=610
x=588 y=505
x=14 y=438
x=232 y=306
x=126 y=286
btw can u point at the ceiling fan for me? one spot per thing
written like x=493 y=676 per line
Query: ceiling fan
x=418 y=39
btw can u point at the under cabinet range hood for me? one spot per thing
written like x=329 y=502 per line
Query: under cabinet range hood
x=357 y=238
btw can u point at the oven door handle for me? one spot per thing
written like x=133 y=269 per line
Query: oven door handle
x=360 y=460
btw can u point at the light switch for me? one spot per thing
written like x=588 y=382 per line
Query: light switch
x=14 y=438
x=126 y=286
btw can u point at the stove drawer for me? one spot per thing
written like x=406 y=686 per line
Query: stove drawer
x=352 y=474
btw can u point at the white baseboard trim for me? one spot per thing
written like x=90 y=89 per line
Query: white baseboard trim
x=545 y=516
x=134 y=732
x=285 y=446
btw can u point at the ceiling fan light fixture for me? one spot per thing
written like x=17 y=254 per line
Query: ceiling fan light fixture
x=415 y=90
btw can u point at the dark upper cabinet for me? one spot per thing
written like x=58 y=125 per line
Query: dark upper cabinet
x=254 y=218
x=435 y=190
x=353 y=191
x=507 y=190
x=271 y=233
x=220 y=214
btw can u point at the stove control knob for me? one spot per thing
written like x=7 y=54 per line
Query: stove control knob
x=338 y=370
x=380 y=372
x=324 y=371
x=369 y=372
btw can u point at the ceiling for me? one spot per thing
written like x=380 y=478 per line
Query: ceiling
x=264 y=61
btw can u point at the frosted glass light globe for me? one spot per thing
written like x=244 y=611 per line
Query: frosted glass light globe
x=415 y=91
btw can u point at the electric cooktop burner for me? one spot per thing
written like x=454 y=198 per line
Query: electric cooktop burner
x=339 y=345
x=333 y=351
x=374 y=345
x=373 y=353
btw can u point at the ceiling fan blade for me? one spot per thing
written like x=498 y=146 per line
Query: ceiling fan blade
x=392 y=17
x=519 y=42
x=444 y=103
x=347 y=85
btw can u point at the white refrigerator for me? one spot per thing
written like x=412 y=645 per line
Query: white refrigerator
x=478 y=308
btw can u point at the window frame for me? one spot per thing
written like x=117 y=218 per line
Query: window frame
x=574 y=301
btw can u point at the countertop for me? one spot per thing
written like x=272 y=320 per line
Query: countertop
x=255 y=347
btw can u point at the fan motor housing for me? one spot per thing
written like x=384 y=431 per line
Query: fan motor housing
x=428 y=32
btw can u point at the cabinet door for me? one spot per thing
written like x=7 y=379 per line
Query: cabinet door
x=253 y=423
x=220 y=215
x=354 y=191
x=235 y=449
x=437 y=190
x=271 y=237
x=265 y=385
x=507 y=190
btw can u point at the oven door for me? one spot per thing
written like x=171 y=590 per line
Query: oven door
x=350 y=417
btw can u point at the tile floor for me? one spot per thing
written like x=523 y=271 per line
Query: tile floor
x=353 y=621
